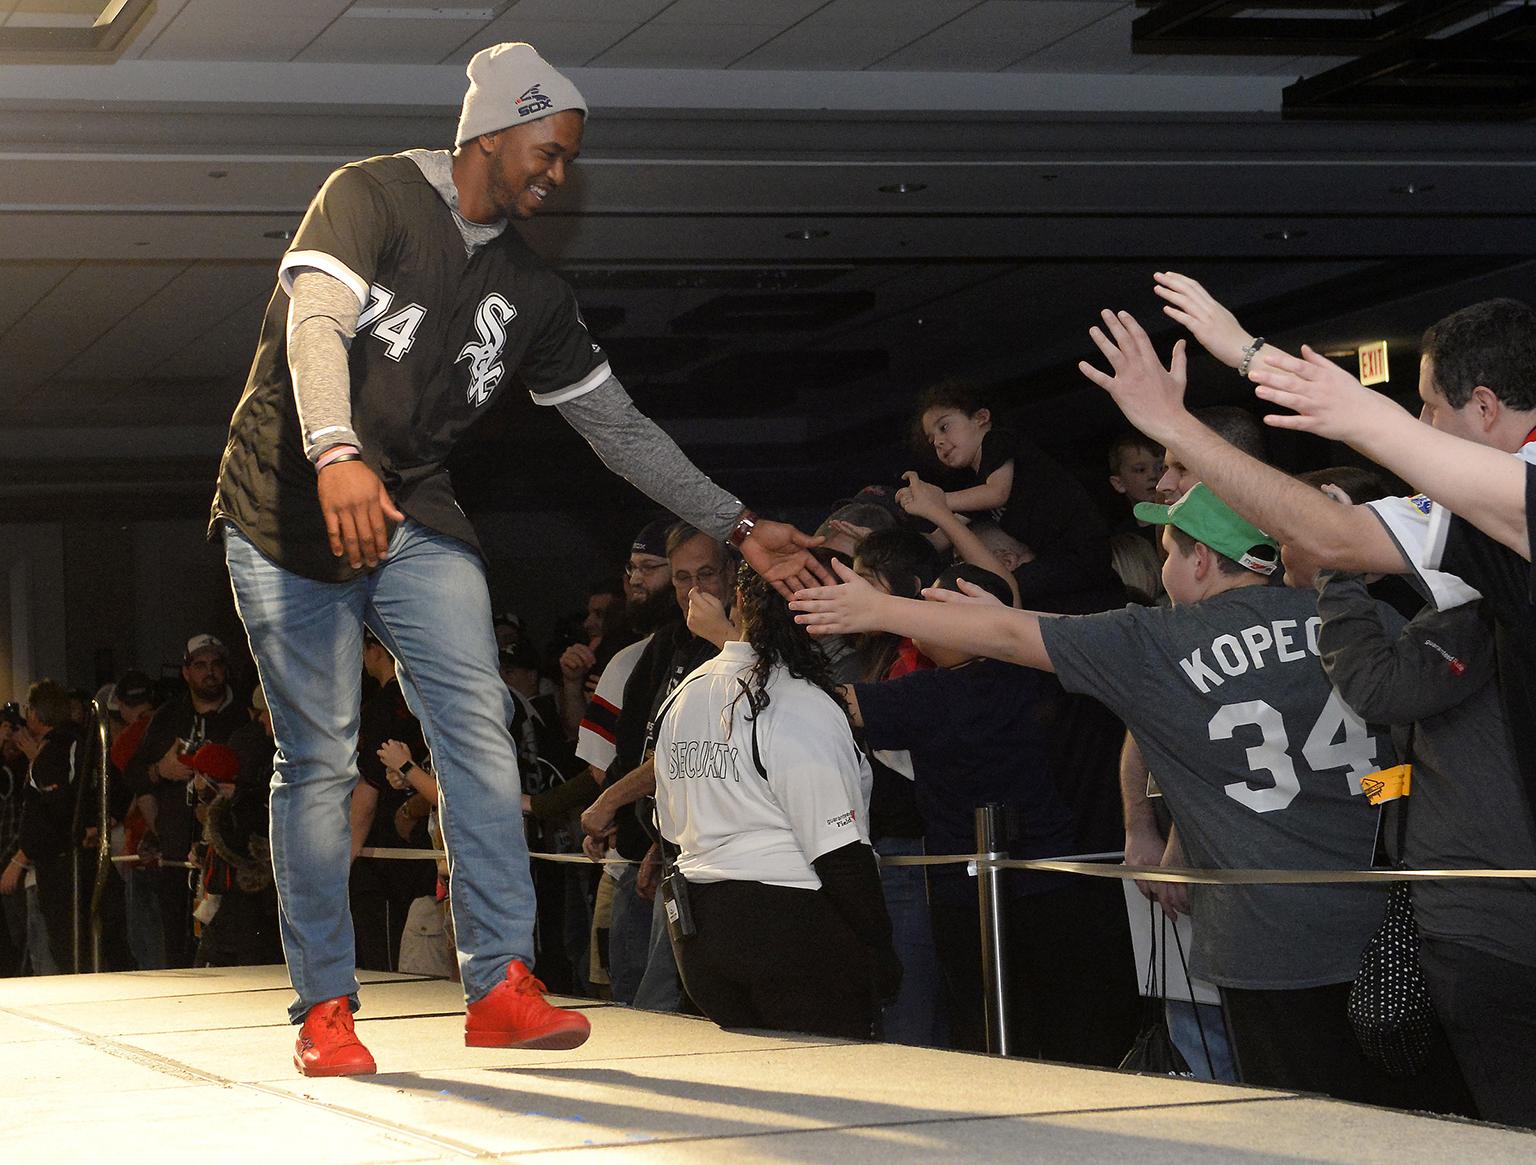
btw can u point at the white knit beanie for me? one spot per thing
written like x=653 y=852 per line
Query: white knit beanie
x=510 y=84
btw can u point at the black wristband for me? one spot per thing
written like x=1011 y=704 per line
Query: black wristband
x=343 y=457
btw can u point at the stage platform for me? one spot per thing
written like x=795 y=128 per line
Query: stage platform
x=192 y=1068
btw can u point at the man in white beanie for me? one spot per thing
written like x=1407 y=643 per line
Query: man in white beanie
x=405 y=306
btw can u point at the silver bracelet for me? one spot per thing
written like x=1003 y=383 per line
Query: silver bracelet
x=1249 y=353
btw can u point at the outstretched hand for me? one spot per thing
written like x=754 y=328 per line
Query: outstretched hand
x=357 y=511
x=1150 y=396
x=1209 y=322
x=782 y=555
x=969 y=594
x=844 y=609
x=1325 y=399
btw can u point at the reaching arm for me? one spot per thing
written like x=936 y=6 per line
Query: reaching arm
x=1483 y=485
x=974 y=622
x=1152 y=398
x=636 y=448
x=989 y=495
x=923 y=500
x=1398 y=676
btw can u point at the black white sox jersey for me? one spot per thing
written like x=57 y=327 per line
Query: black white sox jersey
x=440 y=337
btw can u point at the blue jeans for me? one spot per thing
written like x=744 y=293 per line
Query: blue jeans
x=1187 y=1022
x=660 y=989
x=629 y=935
x=916 y=1015
x=146 y=935
x=428 y=604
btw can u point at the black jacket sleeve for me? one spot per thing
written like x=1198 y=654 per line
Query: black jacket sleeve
x=850 y=877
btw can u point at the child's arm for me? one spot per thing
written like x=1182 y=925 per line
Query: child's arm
x=923 y=500
x=973 y=623
x=989 y=495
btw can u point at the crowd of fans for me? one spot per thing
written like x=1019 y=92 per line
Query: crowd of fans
x=1199 y=634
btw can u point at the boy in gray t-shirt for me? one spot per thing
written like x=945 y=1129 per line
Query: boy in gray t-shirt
x=1260 y=760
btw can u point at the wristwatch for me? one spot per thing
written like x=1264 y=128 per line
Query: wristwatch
x=743 y=528
x=404 y=769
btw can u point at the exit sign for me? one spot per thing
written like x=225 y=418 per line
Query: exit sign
x=1373 y=363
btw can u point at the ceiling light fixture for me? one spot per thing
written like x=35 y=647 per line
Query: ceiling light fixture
x=904 y=188
x=807 y=235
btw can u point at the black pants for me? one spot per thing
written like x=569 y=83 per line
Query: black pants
x=776 y=958
x=1488 y=1008
x=1071 y=989
x=243 y=933
x=1301 y=1040
x=174 y=889
x=55 y=899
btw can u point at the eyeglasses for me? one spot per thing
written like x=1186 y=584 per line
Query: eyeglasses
x=631 y=569
x=707 y=575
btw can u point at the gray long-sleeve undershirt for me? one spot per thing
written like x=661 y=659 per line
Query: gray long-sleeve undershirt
x=322 y=320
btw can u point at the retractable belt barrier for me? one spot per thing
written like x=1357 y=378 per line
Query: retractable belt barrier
x=1090 y=865
x=134 y=859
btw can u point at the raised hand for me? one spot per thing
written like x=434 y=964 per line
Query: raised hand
x=1325 y=399
x=922 y=499
x=576 y=661
x=1150 y=396
x=1212 y=325
x=845 y=609
x=782 y=555
x=356 y=506
x=707 y=619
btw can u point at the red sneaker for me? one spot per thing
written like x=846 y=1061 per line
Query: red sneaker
x=516 y=1015
x=328 y=1045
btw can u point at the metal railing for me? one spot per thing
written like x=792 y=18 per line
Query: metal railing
x=101 y=721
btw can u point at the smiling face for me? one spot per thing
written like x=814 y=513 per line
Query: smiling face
x=528 y=162
x=1177 y=480
x=956 y=435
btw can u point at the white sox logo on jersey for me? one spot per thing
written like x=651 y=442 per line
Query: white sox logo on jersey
x=485 y=370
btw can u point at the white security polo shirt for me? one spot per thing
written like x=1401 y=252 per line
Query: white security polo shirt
x=730 y=823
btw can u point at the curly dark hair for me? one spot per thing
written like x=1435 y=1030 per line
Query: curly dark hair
x=777 y=639
x=949 y=393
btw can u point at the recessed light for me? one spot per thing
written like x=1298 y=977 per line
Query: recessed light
x=285 y=236
x=218 y=173
x=1285 y=234
x=904 y=188
x=1414 y=188
x=807 y=235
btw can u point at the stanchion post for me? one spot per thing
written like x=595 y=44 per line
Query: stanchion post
x=994 y=958
x=101 y=721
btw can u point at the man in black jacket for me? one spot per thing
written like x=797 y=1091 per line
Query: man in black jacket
x=206 y=712
x=49 y=829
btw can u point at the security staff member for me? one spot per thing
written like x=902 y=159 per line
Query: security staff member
x=761 y=788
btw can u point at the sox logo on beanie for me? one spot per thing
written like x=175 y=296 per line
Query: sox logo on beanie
x=510 y=84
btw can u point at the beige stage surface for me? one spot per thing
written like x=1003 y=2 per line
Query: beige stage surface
x=192 y=1068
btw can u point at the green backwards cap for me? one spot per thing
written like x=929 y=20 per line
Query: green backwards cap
x=1206 y=518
